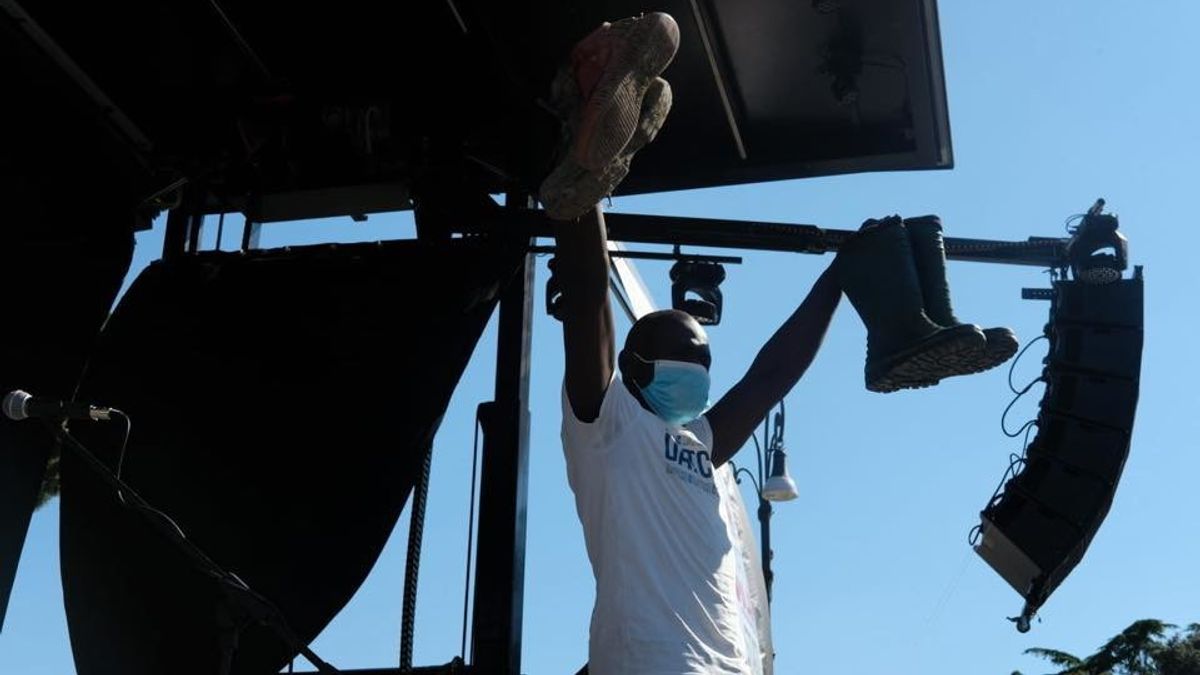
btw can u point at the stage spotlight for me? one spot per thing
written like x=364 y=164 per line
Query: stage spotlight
x=702 y=280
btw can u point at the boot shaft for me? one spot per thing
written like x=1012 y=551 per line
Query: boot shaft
x=929 y=256
x=878 y=274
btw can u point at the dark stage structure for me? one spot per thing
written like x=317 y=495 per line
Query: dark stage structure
x=277 y=111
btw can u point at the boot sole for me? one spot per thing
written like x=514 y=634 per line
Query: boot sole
x=570 y=190
x=614 y=108
x=1000 y=347
x=947 y=352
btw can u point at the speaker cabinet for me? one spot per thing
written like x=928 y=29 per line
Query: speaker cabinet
x=1039 y=527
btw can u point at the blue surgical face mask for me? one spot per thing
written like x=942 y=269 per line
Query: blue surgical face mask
x=678 y=392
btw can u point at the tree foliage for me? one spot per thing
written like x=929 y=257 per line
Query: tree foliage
x=1146 y=647
x=1181 y=654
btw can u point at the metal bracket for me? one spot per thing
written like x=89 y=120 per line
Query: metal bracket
x=1037 y=293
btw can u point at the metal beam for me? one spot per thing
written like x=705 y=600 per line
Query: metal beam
x=708 y=38
x=764 y=236
x=500 y=563
x=104 y=107
x=241 y=42
x=623 y=254
x=353 y=200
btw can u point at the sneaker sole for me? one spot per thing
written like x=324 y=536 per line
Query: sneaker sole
x=570 y=190
x=614 y=108
x=945 y=353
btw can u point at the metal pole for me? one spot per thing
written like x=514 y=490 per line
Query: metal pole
x=184 y=223
x=251 y=232
x=195 y=230
x=765 y=236
x=764 y=522
x=500 y=563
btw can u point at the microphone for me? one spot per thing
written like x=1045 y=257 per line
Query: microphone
x=19 y=405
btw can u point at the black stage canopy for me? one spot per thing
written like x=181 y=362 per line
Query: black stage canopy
x=255 y=99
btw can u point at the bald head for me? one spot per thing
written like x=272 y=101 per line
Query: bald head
x=666 y=334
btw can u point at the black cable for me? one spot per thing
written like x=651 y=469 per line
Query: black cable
x=462 y=650
x=412 y=563
x=1013 y=366
x=1016 y=462
x=1004 y=416
x=1019 y=393
x=1072 y=219
x=124 y=445
x=121 y=467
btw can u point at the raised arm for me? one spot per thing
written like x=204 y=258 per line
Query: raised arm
x=588 y=340
x=776 y=369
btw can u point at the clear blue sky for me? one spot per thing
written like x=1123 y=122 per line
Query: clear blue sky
x=1052 y=105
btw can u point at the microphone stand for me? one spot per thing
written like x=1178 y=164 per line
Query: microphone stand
x=242 y=606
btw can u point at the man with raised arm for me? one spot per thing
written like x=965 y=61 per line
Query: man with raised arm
x=646 y=455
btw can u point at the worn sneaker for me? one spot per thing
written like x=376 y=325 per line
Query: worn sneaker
x=571 y=190
x=606 y=97
x=614 y=67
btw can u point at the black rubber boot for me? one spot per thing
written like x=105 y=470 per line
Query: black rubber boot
x=905 y=350
x=929 y=254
